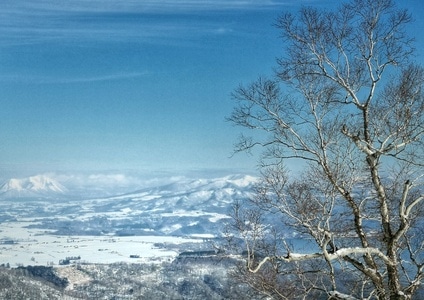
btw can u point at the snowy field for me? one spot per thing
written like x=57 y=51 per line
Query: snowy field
x=43 y=222
x=35 y=247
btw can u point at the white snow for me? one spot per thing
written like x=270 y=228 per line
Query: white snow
x=39 y=183
x=35 y=247
x=198 y=202
x=243 y=181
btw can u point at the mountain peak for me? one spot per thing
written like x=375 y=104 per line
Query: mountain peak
x=39 y=185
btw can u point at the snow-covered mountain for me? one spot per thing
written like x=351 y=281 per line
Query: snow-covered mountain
x=183 y=207
x=195 y=188
x=112 y=185
x=34 y=186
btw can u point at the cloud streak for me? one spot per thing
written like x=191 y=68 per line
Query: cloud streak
x=114 y=182
x=29 y=22
x=146 y=6
x=70 y=80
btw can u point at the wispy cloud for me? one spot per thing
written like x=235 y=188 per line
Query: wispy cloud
x=27 y=21
x=110 y=77
x=68 y=80
x=162 y=6
x=113 y=183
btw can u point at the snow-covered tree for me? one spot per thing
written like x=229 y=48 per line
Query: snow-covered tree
x=347 y=106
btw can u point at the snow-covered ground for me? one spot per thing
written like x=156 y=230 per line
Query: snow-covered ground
x=49 y=227
x=36 y=247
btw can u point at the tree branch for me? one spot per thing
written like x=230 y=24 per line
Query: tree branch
x=292 y=257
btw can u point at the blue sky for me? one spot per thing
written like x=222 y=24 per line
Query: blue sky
x=132 y=85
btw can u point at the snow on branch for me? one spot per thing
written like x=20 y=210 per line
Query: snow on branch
x=338 y=295
x=291 y=257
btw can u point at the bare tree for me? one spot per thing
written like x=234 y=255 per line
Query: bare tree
x=346 y=104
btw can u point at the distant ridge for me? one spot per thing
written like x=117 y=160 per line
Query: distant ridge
x=194 y=186
x=189 y=207
x=34 y=186
x=45 y=186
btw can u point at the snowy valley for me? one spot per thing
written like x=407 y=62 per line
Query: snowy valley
x=174 y=226
x=185 y=211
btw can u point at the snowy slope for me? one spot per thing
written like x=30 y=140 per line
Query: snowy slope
x=34 y=186
x=187 y=207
